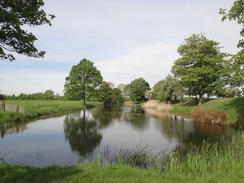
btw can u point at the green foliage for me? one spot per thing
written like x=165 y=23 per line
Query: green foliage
x=14 y=16
x=47 y=95
x=138 y=89
x=167 y=90
x=236 y=69
x=236 y=13
x=105 y=93
x=117 y=96
x=82 y=81
x=109 y=96
x=201 y=68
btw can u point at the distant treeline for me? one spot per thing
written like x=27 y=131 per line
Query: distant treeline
x=47 y=95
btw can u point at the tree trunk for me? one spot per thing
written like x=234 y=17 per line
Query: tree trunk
x=84 y=100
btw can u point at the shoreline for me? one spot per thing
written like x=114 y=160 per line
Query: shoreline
x=218 y=111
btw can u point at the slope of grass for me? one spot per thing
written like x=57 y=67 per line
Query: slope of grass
x=233 y=107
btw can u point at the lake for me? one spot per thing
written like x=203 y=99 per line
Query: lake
x=72 y=138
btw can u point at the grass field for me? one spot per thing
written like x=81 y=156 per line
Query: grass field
x=218 y=162
x=233 y=107
x=37 y=108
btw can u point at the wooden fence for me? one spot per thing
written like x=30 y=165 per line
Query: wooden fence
x=11 y=108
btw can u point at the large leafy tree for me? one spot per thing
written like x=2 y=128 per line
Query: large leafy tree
x=14 y=15
x=138 y=89
x=109 y=95
x=168 y=90
x=82 y=81
x=236 y=13
x=201 y=66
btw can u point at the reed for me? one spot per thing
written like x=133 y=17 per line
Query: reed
x=203 y=115
x=209 y=157
x=141 y=156
x=159 y=106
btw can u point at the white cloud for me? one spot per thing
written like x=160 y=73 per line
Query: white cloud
x=152 y=62
x=31 y=81
x=125 y=39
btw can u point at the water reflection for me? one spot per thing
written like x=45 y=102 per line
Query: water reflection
x=17 y=129
x=104 y=116
x=70 y=138
x=81 y=132
x=136 y=116
x=188 y=132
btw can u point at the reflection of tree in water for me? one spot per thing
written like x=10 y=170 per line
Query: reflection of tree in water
x=136 y=116
x=105 y=115
x=188 y=132
x=17 y=129
x=207 y=132
x=175 y=127
x=132 y=114
x=81 y=131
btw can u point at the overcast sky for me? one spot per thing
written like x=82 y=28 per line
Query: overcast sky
x=126 y=39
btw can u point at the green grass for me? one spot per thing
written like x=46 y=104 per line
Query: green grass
x=37 y=108
x=213 y=162
x=233 y=107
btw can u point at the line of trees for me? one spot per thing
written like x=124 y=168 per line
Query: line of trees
x=201 y=71
x=47 y=95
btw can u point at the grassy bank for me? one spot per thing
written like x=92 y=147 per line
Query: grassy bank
x=38 y=108
x=218 y=162
x=232 y=107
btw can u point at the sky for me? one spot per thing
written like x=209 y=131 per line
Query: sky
x=125 y=39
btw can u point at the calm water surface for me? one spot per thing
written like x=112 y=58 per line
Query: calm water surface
x=71 y=138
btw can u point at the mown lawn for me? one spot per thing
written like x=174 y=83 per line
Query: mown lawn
x=37 y=108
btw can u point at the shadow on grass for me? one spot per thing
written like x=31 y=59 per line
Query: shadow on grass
x=238 y=104
x=22 y=173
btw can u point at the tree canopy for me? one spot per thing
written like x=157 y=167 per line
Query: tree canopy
x=236 y=13
x=168 y=89
x=201 y=66
x=13 y=16
x=109 y=95
x=82 y=81
x=138 y=89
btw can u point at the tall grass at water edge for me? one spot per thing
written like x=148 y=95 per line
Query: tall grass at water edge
x=212 y=162
x=159 y=106
x=228 y=111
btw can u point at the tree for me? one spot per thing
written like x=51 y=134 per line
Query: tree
x=14 y=16
x=236 y=71
x=108 y=95
x=122 y=88
x=117 y=96
x=168 y=90
x=105 y=93
x=49 y=95
x=138 y=89
x=236 y=12
x=82 y=81
x=201 y=67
